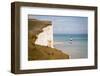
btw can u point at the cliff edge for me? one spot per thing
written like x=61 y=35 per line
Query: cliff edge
x=37 y=50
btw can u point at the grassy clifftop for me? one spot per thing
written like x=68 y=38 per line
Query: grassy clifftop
x=38 y=52
x=36 y=26
x=45 y=53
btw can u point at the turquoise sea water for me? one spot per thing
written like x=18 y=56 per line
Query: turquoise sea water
x=73 y=44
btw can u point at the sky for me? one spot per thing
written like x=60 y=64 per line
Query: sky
x=65 y=24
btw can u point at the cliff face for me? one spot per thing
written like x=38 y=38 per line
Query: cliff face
x=40 y=41
x=42 y=31
x=45 y=38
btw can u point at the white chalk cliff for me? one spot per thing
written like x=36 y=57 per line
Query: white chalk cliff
x=45 y=38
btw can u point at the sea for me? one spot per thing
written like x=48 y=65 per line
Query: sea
x=75 y=45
